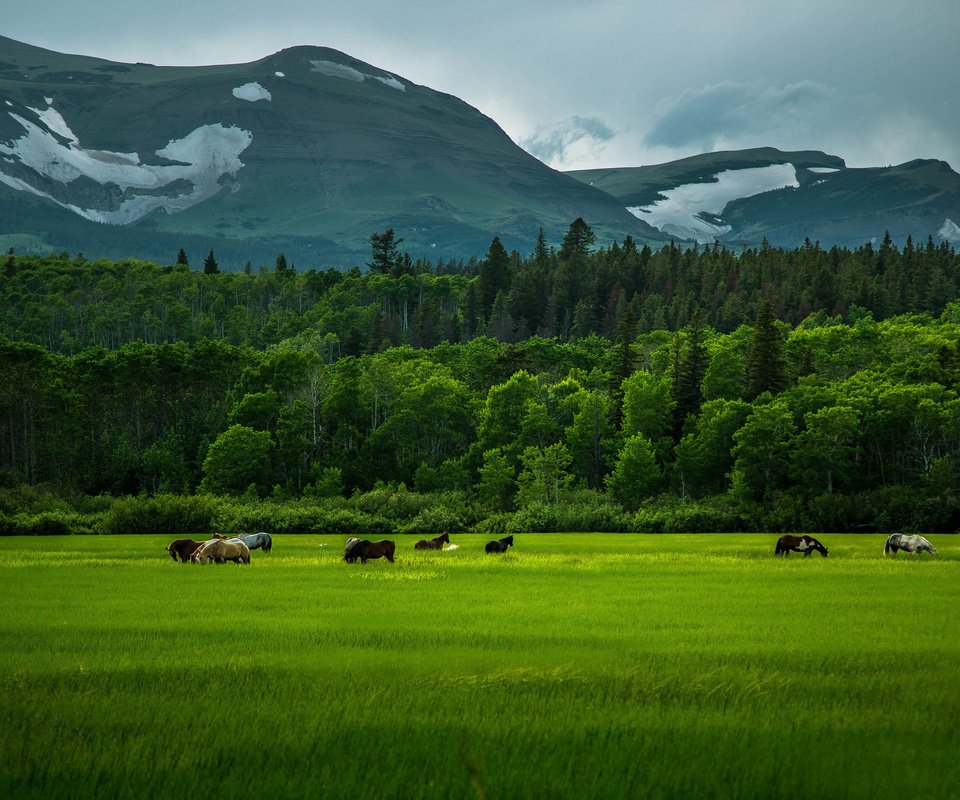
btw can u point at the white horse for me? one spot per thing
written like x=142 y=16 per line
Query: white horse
x=912 y=544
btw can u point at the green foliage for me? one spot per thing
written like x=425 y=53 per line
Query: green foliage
x=636 y=473
x=239 y=457
x=166 y=514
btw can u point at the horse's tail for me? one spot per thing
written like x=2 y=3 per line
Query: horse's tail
x=886 y=546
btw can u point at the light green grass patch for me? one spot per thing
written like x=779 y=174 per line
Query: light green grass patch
x=580 y=665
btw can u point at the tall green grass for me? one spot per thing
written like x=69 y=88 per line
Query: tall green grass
x=574 y=666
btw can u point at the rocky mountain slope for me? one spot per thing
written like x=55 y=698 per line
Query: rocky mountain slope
x=308 y=151
x=742 y=197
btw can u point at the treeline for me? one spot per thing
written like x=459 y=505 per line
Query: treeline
x=68 y=304
x=825 y=425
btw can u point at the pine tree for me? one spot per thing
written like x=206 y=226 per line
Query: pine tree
x=384 y=252
x=624 y=361
x=182 y=258
x=281 y=264
x=577 y=240
x=766 y=369
x=494 y=275
x=689 y=369
x=210 y=264
x=541 y=256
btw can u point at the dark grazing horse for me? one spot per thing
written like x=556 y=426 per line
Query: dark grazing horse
x=365 y=549
x=183 y=548
x=799 y=544
x=436 y=543
x=911 y=543
x=499 y=545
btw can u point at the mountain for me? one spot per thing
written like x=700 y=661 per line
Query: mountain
x=742 y=197
x=308 y=151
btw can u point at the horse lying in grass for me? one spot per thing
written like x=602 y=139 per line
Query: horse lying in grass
x=221 y=550
x=436 y=543
x=183 y=548
x=365 y=549
x=499 y=545
x=799 y=544
x=911 y=543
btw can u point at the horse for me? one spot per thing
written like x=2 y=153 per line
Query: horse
x=436 y=543
x=799 y=544
x=364 y=549
x=254 y=541
x=221 y=550
x=499 y=545
x=912 y=544
x=183 y=548
x=347 y=547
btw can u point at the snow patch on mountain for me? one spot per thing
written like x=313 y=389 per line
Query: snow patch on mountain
x=392 y=82
x=693 y=210
x=822 y=170
x=204 y=157
x=335 y=70
x=252 y=92
x=950 y=231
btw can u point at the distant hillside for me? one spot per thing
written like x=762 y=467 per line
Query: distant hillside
x=743 y=197
x=308 y=151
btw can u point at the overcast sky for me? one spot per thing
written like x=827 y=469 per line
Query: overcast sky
x=594 y=83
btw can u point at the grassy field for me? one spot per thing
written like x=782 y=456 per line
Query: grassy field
x=581 y=666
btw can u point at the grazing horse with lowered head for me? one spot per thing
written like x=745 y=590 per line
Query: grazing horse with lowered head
x=183 y=548
x=799 y=544
x=254 y=541
x=365 y=549
x=347 y=547
x=911 y=543
x=499 y=545
x=221 y=550
x=436 y=543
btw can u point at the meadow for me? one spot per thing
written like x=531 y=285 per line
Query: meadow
x=576 y=665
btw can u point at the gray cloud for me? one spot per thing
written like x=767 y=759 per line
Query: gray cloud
x=728 y=111
x=633 y=81
x=552 y=145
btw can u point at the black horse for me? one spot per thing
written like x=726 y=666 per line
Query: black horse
x=364 y=549
x=499 y=545
x=799 y=544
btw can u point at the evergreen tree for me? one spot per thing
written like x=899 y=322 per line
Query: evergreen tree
x=384 y=252
x=623 y=361
x=210 y=266
x=689 y=369
x=577 y=241
x=766 y=368
x=494 y=275
x=541 y=256
x=281 y=264
x=182 y=258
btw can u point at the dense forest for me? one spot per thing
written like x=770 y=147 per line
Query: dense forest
x=572 y=389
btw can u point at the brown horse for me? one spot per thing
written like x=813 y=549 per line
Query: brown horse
x=221 y=550
x=183 y=548
x=436 y=543
x=799 y=544
x=364 y=549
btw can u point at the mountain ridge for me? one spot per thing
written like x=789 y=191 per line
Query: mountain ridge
x=308 y=149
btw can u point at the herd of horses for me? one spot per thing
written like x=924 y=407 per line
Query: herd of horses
x=221 y=549
x=911 y=543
